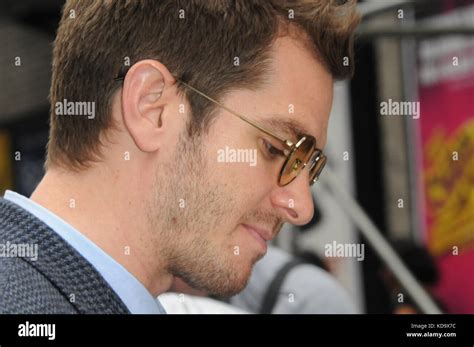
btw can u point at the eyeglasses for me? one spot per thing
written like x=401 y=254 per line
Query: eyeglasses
x=298 y=155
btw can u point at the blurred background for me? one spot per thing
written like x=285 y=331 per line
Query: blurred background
x=412 y=174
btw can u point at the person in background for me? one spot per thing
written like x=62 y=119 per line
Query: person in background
x=180 y=303
x=283 y=283
x=420 y=262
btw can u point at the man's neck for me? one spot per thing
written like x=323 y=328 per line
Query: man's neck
x=102 y=206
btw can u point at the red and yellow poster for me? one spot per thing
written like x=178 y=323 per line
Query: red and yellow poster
x=447 y=168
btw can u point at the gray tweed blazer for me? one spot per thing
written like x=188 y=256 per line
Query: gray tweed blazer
x=59 y=281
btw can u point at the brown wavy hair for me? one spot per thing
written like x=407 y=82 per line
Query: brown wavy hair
x=196 y=39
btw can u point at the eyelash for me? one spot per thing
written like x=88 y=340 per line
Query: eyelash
x=272 y=151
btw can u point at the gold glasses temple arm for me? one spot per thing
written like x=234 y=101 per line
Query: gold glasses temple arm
x=245 y=119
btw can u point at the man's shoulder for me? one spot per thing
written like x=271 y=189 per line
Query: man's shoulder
x=51 y=276
x=24 y=290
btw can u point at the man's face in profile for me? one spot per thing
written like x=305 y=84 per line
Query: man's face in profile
x=217 y=209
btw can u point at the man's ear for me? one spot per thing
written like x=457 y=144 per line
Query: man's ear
x=146 y=92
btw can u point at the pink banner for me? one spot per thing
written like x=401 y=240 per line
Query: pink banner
x=447 y=169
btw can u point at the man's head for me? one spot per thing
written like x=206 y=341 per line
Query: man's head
x=209 y=181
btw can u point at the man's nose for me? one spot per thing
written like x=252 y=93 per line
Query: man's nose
x=295 y=201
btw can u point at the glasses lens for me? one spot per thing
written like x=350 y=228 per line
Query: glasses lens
x=297 y=160
x=317 y=165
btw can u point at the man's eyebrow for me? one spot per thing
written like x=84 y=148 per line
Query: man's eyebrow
x=284 y=127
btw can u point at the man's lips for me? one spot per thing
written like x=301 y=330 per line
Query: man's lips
x=260 y=240
x=265 y=234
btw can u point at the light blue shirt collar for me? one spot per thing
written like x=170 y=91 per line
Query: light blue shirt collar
x=132 y=292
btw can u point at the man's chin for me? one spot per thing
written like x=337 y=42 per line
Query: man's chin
x=229 y=291
x=234 y=285
x=222 y=281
